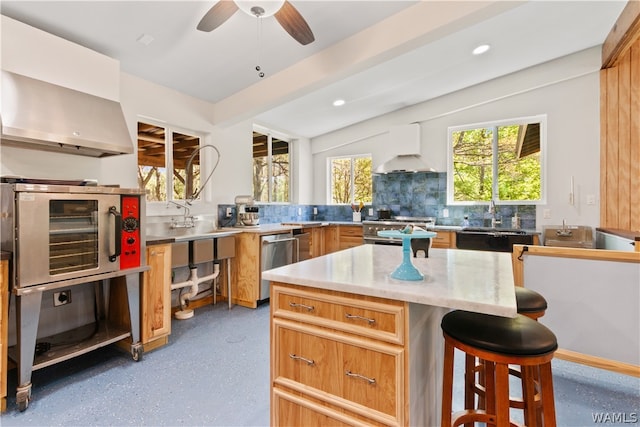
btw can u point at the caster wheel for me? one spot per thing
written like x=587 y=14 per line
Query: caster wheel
x=136 y=353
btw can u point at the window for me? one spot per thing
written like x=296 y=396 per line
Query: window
x=271 y=168
x=162 y=149
x=501 y=161
x=350 y=180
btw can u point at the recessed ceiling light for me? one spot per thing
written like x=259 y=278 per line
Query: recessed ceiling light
x=481 y=49
x=338 y=102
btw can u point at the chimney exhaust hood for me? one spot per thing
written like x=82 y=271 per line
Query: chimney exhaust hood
x=404 y=163
x=410 y=161
x=40 y=115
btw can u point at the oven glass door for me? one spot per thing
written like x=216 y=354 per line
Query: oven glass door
x=64 y=236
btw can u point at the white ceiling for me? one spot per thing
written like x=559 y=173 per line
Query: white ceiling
x=411 y=63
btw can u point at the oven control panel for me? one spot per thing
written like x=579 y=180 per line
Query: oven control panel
x=130 y=256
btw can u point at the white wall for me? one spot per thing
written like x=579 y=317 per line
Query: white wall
x=143 y=100
x=32 y=52
x=567 y=90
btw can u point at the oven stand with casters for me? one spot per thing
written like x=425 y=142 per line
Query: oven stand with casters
x=28 y=304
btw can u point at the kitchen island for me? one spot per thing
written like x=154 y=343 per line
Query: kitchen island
x=350 y=345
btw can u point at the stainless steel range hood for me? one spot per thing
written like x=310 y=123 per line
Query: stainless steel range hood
x=40 y=115
x=404 y=163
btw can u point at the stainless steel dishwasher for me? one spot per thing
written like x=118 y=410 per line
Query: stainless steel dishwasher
x=277 y=250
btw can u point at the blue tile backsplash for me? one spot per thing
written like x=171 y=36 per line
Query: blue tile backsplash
x=422 y=194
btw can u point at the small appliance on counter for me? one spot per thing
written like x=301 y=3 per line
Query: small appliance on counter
x=248 y=212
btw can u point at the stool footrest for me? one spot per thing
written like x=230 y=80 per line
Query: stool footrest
x=476 y=416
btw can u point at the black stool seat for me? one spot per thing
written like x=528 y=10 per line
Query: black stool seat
x=519 y=335
x=529 y=301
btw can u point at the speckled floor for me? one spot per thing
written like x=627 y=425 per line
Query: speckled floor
x=215 y=372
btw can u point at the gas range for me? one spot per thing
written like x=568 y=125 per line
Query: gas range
x=370 y=228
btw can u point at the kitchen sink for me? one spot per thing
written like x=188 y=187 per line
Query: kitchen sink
x=492 y=239
x=569 y=236
x=202 y=229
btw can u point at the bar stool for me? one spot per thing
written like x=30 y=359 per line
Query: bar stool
x=531 y=304
x=499 y=342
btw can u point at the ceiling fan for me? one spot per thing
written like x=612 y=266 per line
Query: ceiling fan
x=287 y=15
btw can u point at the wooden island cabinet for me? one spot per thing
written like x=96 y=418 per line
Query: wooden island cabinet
x=351 y=346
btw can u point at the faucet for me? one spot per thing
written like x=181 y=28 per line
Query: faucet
x=187 y=221
x=495 y=219
x=194 y=195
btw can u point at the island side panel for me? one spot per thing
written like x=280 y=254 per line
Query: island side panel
x=425 y=359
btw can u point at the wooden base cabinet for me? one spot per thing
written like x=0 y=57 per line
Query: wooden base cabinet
x=338 y=237
x=444 y=240
x=344 y=359
x=156 y=297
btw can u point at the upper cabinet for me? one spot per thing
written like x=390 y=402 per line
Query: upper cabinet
x=620 y=123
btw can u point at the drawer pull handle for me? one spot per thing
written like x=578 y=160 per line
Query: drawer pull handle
x=296 y=305
x=304 y=359
x=353 y=316
x=362 y=377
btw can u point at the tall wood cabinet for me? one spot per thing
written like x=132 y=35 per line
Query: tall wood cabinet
x=156 y=297
x=620 y=123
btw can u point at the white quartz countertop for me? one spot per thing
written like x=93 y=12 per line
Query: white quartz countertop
x=458 y=279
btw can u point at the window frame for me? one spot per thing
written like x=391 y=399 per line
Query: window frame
x=352 y=157
x=540 y=118
x=270 y=134
x=161 y=207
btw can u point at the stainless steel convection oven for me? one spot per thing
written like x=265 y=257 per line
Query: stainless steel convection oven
x=70 y=238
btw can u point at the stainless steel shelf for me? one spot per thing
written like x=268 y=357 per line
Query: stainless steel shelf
x=72 y=343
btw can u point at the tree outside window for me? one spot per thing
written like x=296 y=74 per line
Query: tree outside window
x=351 y=180
x=271 y=168
x=499 y=161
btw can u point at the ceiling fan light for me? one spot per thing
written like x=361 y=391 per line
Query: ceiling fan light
x=270 y=7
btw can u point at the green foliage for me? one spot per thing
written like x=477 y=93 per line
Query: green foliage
x=351 y=187
x=474 y=161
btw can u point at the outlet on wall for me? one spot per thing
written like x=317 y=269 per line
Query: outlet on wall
x=61 y=298
x=299 y=211
x=315 y=210
x=546 y=213
x=228 y=212
x=370 y=211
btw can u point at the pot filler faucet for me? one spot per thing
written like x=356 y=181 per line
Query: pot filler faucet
x=187 y=220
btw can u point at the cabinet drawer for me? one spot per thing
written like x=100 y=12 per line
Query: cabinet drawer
x=291 y=410
x=362 y=376
x=350 y=230
x=367 y=317
x=350 y=242
x=443 y=239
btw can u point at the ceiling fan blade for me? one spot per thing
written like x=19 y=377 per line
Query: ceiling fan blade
x=217 y=15
x=294 y=24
